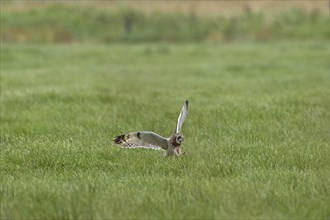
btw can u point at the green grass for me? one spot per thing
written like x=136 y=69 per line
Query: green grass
x=257 y=132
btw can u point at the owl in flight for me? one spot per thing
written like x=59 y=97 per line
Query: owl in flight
x=151 y=140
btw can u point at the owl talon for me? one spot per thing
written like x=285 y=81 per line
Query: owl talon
x=180 y=155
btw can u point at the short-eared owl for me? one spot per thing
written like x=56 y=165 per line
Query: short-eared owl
x=151 y=140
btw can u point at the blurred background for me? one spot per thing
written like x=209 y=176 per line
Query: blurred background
x=50 y=21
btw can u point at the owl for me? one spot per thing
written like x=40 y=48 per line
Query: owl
x=151 y=140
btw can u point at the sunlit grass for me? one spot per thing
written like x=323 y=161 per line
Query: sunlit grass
x=257 y=132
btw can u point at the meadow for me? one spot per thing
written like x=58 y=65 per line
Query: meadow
x=257 y=131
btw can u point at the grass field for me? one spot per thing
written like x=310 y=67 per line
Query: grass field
x=257 y=132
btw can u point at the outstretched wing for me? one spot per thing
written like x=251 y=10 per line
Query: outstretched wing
x=182 y=116
x=143 y=139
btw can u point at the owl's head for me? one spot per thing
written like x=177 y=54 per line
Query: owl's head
x=176 y=139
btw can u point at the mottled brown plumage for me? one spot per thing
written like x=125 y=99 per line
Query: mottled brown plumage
x=151 y=140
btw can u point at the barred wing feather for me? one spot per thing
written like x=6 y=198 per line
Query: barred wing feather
x=143 y=139
x=181 y=117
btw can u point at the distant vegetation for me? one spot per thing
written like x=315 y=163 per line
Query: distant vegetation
x=57 y=23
